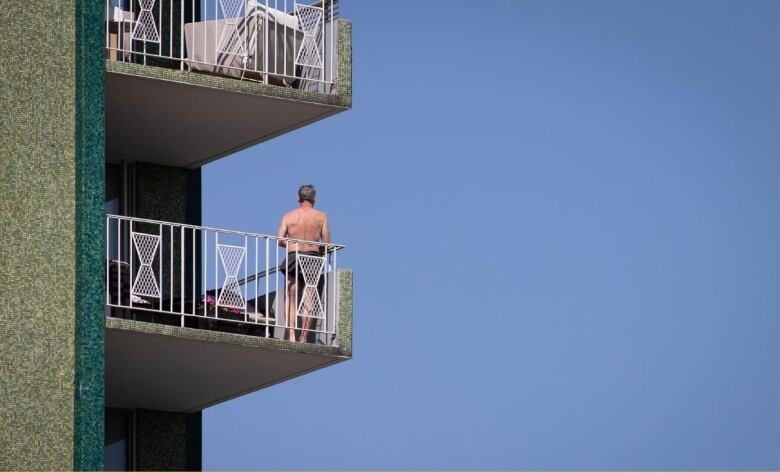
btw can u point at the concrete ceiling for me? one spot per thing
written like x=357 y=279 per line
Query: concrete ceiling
x=169 y=373
x=177 y=124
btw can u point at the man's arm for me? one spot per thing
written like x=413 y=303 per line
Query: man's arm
x=282 y=232
x=325 y=230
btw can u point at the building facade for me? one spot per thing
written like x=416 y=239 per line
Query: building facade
x=119 y=309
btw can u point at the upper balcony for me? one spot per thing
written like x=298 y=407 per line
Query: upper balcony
x=190 y=81
x=199 y=315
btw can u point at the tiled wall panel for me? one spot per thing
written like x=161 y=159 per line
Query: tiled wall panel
x=168 y=441
x=50 y=198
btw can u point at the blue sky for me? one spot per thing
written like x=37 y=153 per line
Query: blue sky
x=563 y=222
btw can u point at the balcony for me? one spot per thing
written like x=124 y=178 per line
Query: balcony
x=207 y=315
x=190 y=81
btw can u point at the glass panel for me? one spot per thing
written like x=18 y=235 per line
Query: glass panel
x=116 y=447
x=113 y=188
x=113 y=203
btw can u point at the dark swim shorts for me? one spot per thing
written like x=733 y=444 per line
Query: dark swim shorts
x=290 y=264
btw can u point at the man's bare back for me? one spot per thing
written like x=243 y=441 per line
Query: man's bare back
x=305 y=223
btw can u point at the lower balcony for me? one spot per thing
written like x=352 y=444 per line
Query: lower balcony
x=198 y=315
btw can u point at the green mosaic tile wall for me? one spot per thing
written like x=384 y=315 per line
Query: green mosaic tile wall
x=90 y=237
x=51 y=358
x=167 y=193
x=168 y=441
x=344 y=335
x=344 y=85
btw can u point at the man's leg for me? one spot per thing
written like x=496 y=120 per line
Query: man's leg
x=291 y=306
x=309 y=312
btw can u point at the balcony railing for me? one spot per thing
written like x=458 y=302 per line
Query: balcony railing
x=275 y=41
x=210 y=278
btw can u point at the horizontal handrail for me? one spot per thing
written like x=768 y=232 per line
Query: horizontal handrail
x=227 y=231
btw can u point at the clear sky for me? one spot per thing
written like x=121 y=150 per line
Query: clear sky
x=563 y=222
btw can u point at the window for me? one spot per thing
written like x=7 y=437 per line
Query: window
x=117 y=447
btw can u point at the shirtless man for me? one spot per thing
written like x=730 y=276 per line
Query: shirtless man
x=303 y=223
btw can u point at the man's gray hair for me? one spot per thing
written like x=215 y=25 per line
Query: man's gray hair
x=307 y=192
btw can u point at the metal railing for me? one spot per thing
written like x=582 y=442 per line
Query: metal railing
x=275 y=41
x=197 y=273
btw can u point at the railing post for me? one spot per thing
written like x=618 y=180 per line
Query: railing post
x=170 y=269
x=181 y=274
x=181 y=35
x=132 y=259
x=108 y=260
x=205 y=271
x=267 y=313
x=277 y=311
x=159 y=266
x=194 y=272
x=326 y=256
x=216 y=274
x=119 y=255
x=246 y=291
x=336 y=294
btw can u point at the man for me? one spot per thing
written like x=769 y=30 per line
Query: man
x=310 y=225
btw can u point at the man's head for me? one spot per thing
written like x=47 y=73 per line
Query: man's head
x=307 y=193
